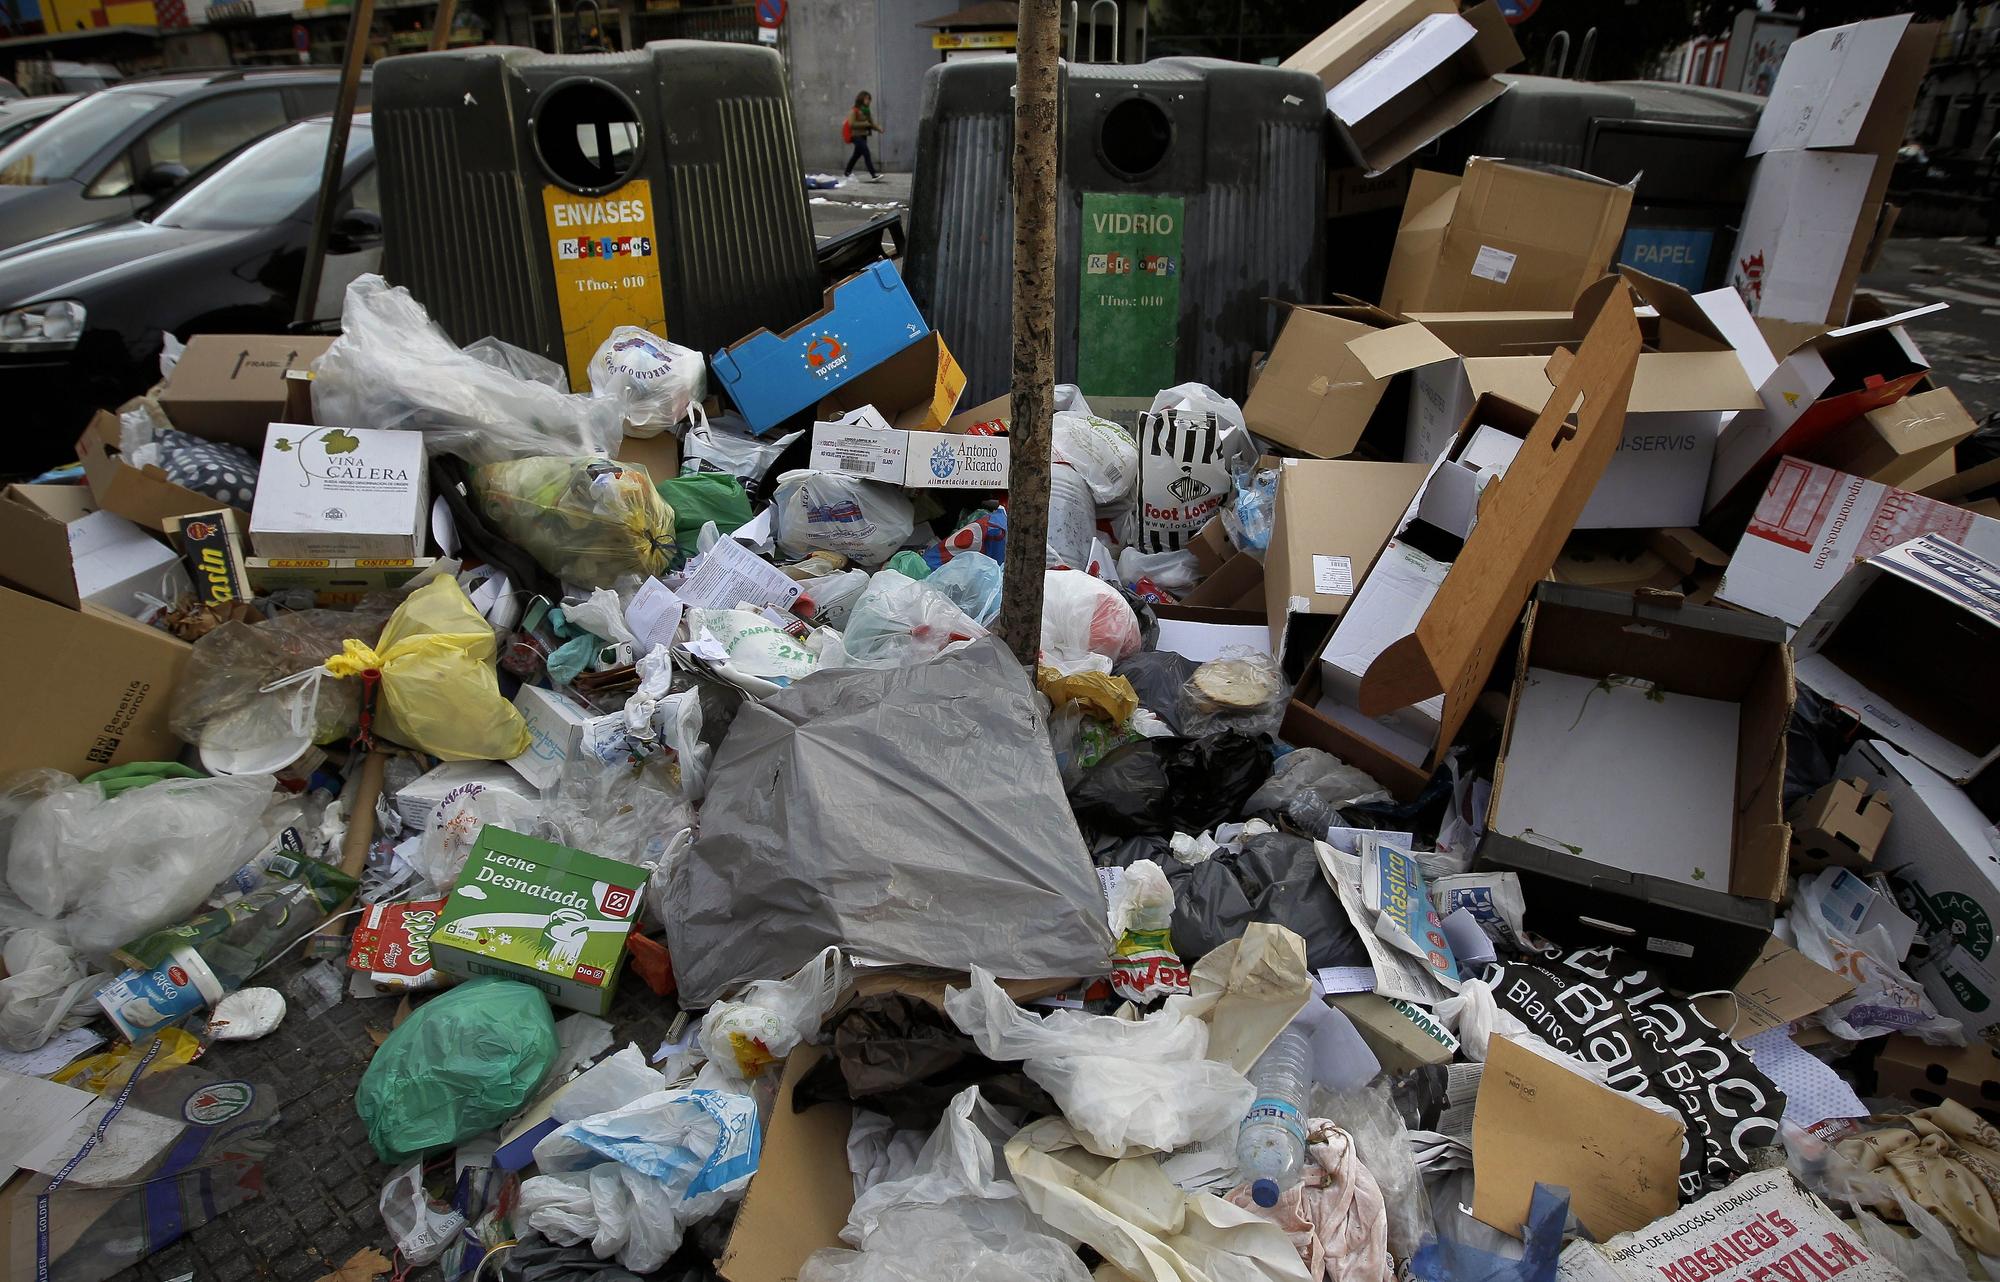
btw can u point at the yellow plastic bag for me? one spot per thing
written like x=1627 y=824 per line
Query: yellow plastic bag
x=439 y=692
x=109 y=1070
x=587 y=520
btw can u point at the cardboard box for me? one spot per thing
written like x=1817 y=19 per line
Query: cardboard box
x=341 y=492
x=1506 y=237
x=544 y=914
x=1941 y=860
x=1402 y=1036
x=335 y=582
x=1328 y=373
x=1425 y=82
x=211 y=548
x=1639 y=788
x=927 y=460
x=143 y=496
x=1929 y=1075
x=1899 y=441
x=1232 y=582
x=916 y=390
x=392 y=943
x=868 y=318
x=1824 y=382
x=1825 y=145
x=1782 y=986
x=1840 y=825
x=230 y=387
x=1330 y=522
x=55 y=543
x=1814 y=525
x=561 y=729
x=97 y=692
x=1907 y=642
x=799 y=1199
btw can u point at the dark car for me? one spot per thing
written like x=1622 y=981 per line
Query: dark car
x=82 y=312
x=119 y=151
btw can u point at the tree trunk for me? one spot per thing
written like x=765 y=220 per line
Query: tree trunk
x=1036 y=115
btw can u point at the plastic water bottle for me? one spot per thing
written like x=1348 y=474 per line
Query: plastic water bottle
x=1271 y=1144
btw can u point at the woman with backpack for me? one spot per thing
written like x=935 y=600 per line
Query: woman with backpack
x=860 y=123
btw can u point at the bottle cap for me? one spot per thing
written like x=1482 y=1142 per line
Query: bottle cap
x=1264 y=1192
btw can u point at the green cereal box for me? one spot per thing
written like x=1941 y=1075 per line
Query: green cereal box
x=541 y=913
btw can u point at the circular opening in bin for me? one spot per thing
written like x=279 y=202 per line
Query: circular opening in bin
x=587 y=135
x=1134 y=137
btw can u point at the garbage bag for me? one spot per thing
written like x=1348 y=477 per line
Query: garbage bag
x=533 y=1258
x=1082 y=617
x=222 y=696
x=902 y=1057
x=1470 y=1251
x=724 y=444
x=631 y=1180
x=954 y=1216
x=1172 y=784
x=462 y=1063
x=587 y=520
x=1157 y=677
x=911 y=815
x=628 y=813
x=1311 y=788
x=864 y=521
x=1335 y=1214
x=1274 y=877
x=47 y=989
x=530 y=367
x=392 y=367
x=103 y=870
x=439 y=690
x=698 y=498
x=421 y=1226
x=1383 y=1144
x=657 y=381
x=1125 y=1085
x=898 y=621
x=760 y=1026
x=453 y=826
x=1240 y=690
x=972 y=581
x=1885 y=998
x=1102 y=453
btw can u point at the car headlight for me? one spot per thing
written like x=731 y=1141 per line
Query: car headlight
x=42 y=327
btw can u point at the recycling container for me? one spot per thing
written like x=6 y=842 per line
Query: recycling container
x=1191 y=190
x=546 y=199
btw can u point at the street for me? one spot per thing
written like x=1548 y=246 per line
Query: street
x=1962 y=342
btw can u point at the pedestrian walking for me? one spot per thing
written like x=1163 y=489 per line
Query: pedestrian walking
x=856 y=129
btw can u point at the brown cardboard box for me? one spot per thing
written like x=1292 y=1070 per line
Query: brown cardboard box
x=1929 y=1075
x=1898 y=443
x=230 y=387
x=1320 y=388
x=1441 y=93
x=1783 y=985
x=96 y=693
x=34 y=538
x=1232 y=582
x=1330 y=522
x=144 y=495
x=1639 y=787
x=916 y=390
x=798 y=1200
x=1506 y=237
x=659 y=455
x=1403 y=1037
x=1842 y=824
x=55 y=543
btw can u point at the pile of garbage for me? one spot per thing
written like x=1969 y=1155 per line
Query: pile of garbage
x=1507 y=795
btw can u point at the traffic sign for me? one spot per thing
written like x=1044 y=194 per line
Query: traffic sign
x=771 y=13
x=1519 y=11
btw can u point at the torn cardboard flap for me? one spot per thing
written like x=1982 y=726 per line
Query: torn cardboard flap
x=798 y=1200
x=1326 y=374
x=1781 y=986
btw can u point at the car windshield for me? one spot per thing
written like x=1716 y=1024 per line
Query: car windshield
x=52 y=154
x=265 y=182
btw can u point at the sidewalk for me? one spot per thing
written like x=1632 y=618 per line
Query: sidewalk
x=855 y=201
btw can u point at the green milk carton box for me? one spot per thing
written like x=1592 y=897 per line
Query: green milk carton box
x=541 y=913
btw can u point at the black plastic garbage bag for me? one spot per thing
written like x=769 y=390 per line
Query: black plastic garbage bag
x=910 y=815
x=1157 y=677
x=1169 y=785
x=901 y=1056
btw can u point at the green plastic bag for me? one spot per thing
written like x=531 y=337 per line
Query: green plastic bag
x=700 y=497
x=462 y=1063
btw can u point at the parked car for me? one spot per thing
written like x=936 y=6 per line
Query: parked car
x=82 y=312
x=122 y=150
x=19 y=115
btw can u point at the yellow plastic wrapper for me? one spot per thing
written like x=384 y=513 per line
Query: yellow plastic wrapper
x=109 y=1070
x=439 y=692
x=1112 y=698
x=587 y=520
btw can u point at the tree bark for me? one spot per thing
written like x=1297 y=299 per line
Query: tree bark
x=1037 y=113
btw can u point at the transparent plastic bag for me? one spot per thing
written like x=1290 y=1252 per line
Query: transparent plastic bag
x=586 y=520
x=1382 y=1142
x=630 y=813
x=1241 y=690
x=420 y=1226
x=439 y=690
x=630 y=1181
x=529 y=367
x=1124 y=1085
x=454 y=827
x=1253 y=505
x=1083 y=616
x=972 y=581
x=1885 y=999
x=1168 y=571
x=112 y=869
x=760 y=1026
x=221 y=697
x=724 y=444
x=1311 y=788
x=47 y=989
x=898 y=621
x=657 y=381
x=393 y=367
x=864 y=521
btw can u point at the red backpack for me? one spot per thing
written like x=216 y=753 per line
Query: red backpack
x=847 y=130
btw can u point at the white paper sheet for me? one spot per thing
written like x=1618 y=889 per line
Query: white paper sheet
x=729 y=574
x=654 y=615
x=1204 y=641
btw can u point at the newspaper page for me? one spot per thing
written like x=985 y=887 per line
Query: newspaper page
x=1398 y=975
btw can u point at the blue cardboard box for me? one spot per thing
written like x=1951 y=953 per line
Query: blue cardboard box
x=868 y=318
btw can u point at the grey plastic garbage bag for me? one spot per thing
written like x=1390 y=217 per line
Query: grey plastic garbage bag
x=912 y=815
